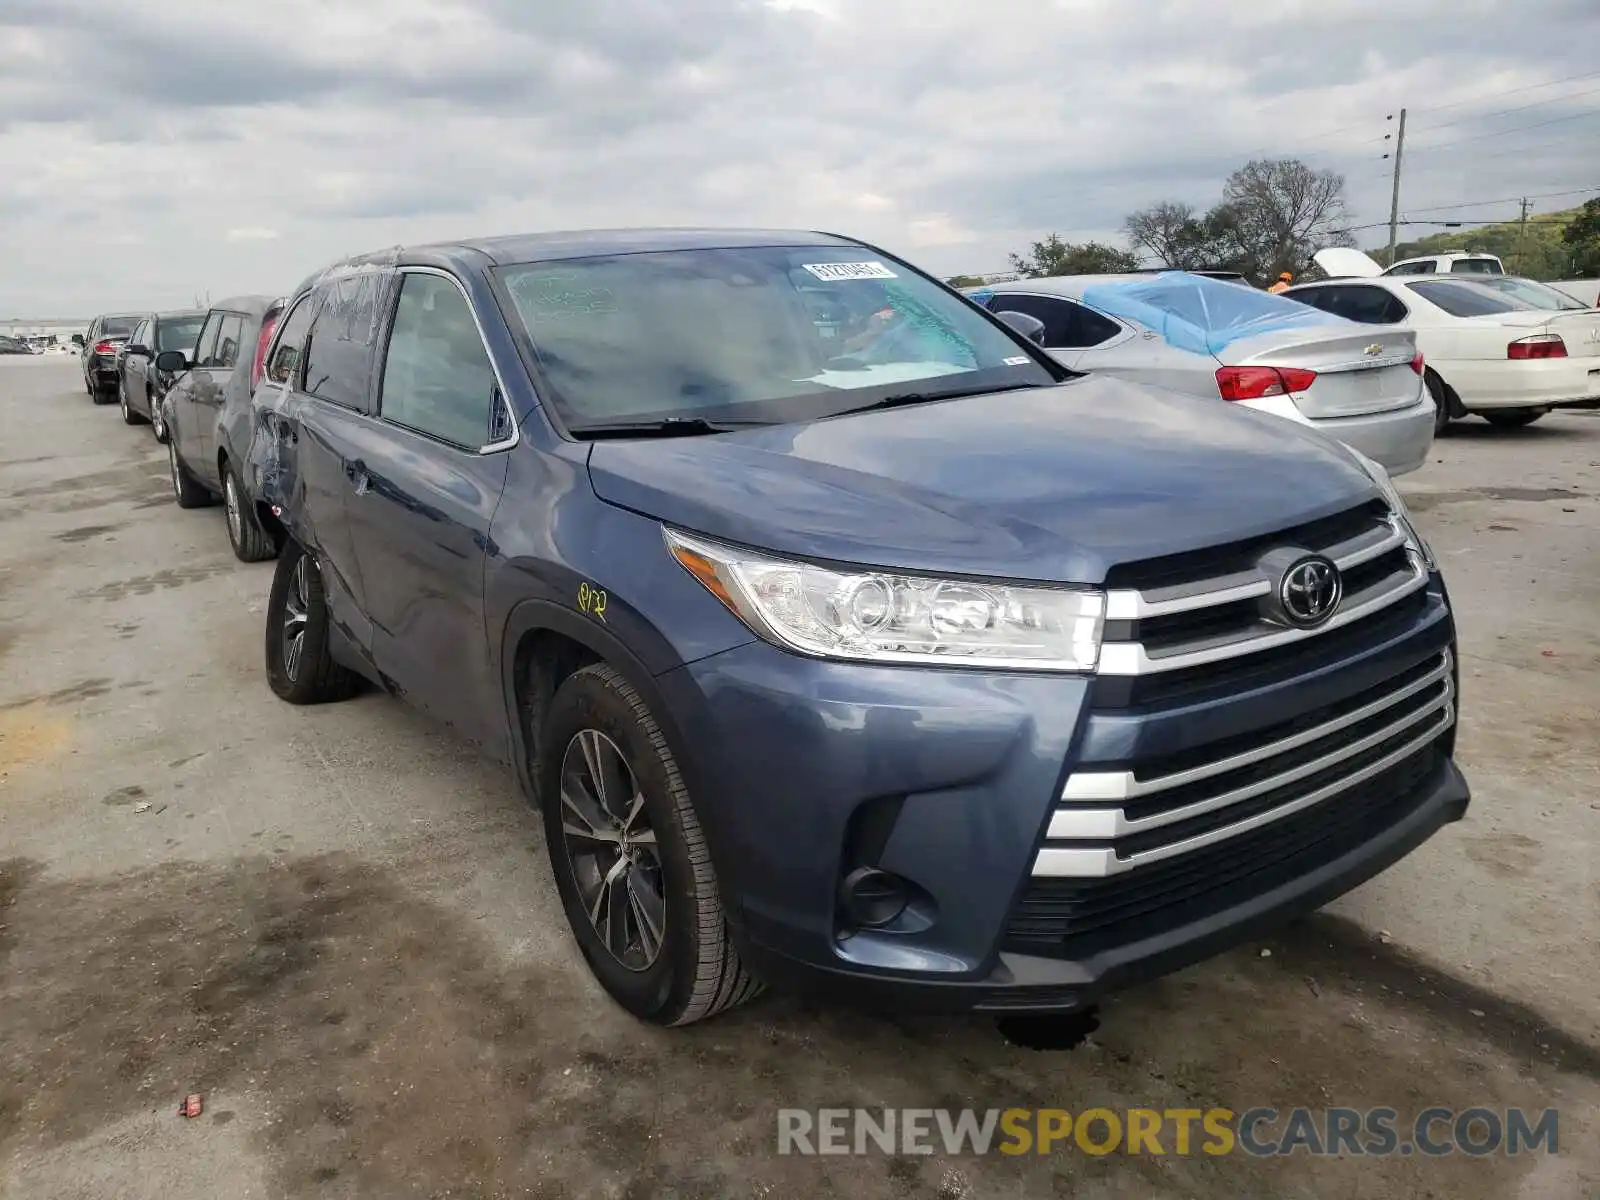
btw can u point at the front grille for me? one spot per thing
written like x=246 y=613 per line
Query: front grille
x=1111 y=821
x=1079 y=917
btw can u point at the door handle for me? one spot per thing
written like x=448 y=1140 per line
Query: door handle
x=356 y=472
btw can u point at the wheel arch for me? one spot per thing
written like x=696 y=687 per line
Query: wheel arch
x=1452 y=398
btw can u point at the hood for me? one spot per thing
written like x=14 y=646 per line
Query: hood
x=1341 y=262
x=1058 y=484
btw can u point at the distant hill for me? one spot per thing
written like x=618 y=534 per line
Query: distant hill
x=1539 y=253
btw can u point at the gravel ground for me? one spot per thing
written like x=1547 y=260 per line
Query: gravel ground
x=338 y=925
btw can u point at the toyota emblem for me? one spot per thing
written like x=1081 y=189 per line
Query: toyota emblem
x=1310 y=591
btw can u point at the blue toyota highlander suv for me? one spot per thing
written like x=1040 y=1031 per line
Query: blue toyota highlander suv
x=842 y=637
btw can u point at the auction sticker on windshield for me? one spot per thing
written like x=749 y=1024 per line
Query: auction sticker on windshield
x=837 y=272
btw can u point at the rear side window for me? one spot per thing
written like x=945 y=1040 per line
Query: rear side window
x=206 y=347
x=1466 y=299
x=224 y=352
x=437 y=378
x=285 y=364
x=1425 y=267
x=1368 y=305
x=339 y=350
x=1066 y=325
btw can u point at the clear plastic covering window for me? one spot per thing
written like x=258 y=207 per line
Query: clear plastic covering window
x=1203 y=315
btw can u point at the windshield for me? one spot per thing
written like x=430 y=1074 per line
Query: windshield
x=117 y=327
x=1461 y=299
x=179 y=334
x=768 y=333
x=1530 y=291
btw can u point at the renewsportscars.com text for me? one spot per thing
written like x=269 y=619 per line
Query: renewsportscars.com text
x=1261 y=1132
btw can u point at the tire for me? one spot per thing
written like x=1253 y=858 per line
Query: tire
x=1441 y=401
x=129 y=417
x=185 y=490
x=101 y=395
x=250 y=542
x=158 y=422
x=596 y=716
x=1513 y=418
x=297 y=605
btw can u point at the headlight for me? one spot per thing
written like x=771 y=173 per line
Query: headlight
x=1397 y=506
x=876 y=616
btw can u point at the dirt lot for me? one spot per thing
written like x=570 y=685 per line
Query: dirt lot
x=338 y=924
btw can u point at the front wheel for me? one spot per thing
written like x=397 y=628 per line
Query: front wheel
x=250 y=542
x=187 y=492
x=300 y=667
x=1513 y=418
x=630 y=859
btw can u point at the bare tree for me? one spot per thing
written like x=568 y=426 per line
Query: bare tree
x=1284 y=212
x=1169 y=232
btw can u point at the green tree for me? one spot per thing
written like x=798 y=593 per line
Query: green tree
x=1581 y=240
x=1056 y=257
x=965 y=281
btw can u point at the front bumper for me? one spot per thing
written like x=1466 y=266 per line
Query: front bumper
x=803 y=770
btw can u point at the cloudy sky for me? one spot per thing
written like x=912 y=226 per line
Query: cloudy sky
x=152 y=152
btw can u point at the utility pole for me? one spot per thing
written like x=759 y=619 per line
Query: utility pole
x=1394 y=199
x=1522 y=240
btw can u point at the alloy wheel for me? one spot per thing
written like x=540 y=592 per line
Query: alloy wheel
x=157 y=425
x=612 y=850
x=172 y=462
x=296 y=607
x=230 y=500
x=122 y=397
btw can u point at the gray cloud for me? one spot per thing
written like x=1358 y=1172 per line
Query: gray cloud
x=946 y=130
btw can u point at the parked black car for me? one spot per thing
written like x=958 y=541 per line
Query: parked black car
x=98 y=358
x=140 y=383
x=892 y=658
x=205 y=415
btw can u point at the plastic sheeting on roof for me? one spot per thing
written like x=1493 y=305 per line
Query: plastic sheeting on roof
x=1200 y=314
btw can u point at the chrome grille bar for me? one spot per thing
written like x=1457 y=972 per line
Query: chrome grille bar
x=1122 y=785
x=1099 y=862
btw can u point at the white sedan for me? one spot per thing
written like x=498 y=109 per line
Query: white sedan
x=1487 y=352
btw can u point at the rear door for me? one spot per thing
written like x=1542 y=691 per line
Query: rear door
x=136 y=366
x=428 y=475
x=185 y=412
x=217 y=353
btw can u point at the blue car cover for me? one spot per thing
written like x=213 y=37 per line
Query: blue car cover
x=1200 y=314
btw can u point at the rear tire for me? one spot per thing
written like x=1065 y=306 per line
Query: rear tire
x=129 y=417
x=1441 y=401
x=1513 y=418
x=300 y=668
x=101 y=395
x=185 y=490
x=632 y=853
x=250 y=542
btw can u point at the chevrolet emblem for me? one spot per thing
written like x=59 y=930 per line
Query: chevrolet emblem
x=1375 y=348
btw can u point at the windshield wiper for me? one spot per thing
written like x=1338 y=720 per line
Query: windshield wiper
x=901 y=399
x=665 y=427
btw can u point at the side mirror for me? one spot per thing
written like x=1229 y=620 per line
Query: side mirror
x=1029 y=327
x=171 y=361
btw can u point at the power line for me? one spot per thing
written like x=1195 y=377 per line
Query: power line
x=1519 y=129
x=1507 y=111
x=1506 y=200
x=1532 y=87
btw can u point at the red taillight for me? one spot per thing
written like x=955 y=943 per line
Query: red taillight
x=1417 y=363
x=105 y=347
x=267 y=327
x=1539 y=345
x=1252 y=383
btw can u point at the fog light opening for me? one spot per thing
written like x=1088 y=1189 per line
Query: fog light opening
x=1049 y=1031
x=872 y=898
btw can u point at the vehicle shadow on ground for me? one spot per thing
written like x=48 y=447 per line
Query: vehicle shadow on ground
x=399 y=1053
